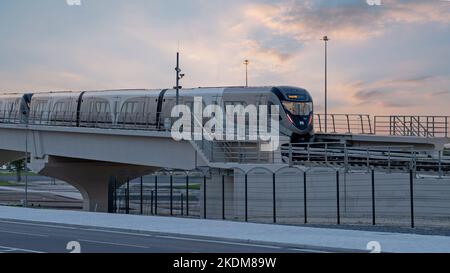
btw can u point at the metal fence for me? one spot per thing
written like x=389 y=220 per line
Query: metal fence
x=394 y=125
x=343 y=123
x=384 y=158
x=293 y=196
x=422 y=126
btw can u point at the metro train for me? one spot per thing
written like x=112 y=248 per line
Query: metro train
x=141 y=107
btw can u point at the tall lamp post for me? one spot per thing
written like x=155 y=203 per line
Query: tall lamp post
x=178 y=78
x=326 y=39
x=26 y=163
x=246 y=63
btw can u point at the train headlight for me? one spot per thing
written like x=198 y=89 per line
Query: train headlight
x=290 y=119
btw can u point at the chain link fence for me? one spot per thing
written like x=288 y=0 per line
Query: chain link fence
x=293 y=196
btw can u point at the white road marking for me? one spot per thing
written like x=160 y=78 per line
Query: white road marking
x=20 y=249
x=110 y=243
x=308 y=250
x=218 y=242
x=23 y=233
x=119 y=232
x=6 y=250
x=157 y=236
x=38 y=225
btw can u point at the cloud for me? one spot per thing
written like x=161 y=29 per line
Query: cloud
x=346 y=21
x=419 y=92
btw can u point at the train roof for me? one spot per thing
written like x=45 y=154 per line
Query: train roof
x=284 y=91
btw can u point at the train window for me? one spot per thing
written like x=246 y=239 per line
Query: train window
x=58 y=108
x=130 y=107
x=39 y=106
x=101 y=107
x=298 y=108
x=11 y=107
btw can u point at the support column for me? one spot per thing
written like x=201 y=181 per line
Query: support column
x=92 y=178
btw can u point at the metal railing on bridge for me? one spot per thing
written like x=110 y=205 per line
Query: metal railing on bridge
x=343 y=123
x=394 y=125
x=420 y=126
x=383 y=158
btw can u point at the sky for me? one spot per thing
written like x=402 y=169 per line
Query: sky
x=392 y=58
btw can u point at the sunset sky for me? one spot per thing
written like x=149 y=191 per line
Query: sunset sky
x=388 y=59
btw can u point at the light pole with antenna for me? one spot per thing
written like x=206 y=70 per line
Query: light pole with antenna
x=246 y=63
x=179 y=76
x=326 y=39
x=26 y=162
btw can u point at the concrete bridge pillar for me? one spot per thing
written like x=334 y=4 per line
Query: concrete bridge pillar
x=91 y=178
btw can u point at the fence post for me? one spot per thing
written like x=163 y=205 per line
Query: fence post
x=274 y=198
x=320 y=123
x=182 y=205
x=373 y=198
x=305 y=208
x=142 y=196
x=368 y=159
x=446 y=126
x=375 y=125
x=223 y=197
x=151 y=202
x=246 y=196
x=127 y=208
x=171 y=195
x=338 y=199
x=156 y=195
x=411 y=187
x=349 y=130
x=204 y=196
x=111 y=195
x=187 y=195
x=362 y=124
x=115 y=194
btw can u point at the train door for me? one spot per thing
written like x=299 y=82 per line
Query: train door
x=151 y=106
x=168 y=104
x=115 y=109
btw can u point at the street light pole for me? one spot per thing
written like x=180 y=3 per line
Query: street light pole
x=326 y=39
x=179 y=76
x=246 y=62
x=26 y=163
x=177 y=69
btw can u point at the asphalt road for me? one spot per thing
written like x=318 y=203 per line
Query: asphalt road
x=29 y=237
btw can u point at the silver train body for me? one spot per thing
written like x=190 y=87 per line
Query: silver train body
x=151 y=108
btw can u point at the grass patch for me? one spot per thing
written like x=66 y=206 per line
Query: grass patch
x=191 y=187
x=7 y=184
x=3 y=174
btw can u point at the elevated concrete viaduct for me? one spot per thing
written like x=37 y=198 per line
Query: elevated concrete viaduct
x=90 y=158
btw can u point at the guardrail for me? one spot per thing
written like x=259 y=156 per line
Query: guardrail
x=421 y=126
x=386 y=158
x=343 y=123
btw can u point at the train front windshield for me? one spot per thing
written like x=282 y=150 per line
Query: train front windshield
x=298 y=108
